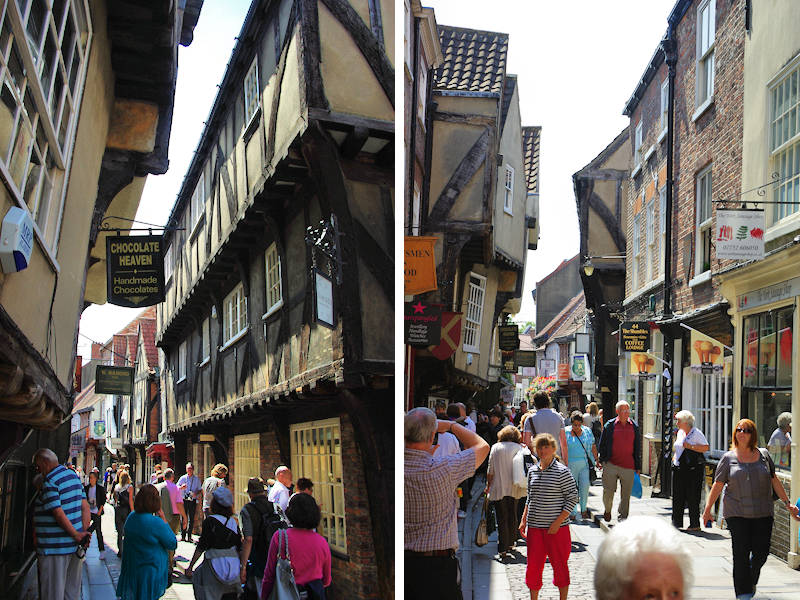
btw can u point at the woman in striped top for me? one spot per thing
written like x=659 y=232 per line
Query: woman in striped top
x=552 y=494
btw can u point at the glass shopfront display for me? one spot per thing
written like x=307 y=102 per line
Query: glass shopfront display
x=767 y=380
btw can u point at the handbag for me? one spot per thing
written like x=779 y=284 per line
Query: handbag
x=592 y=472
x=481 y=534
x=285 y=587
x=771 y=468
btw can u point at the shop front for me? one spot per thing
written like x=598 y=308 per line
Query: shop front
x=764 y=296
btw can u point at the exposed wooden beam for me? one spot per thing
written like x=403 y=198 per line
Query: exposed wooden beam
x=464 y=118
x=354 y=141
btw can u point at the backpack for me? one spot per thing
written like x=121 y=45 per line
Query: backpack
x=265 y=523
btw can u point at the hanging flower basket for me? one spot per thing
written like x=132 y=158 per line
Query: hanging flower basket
x=541 y=384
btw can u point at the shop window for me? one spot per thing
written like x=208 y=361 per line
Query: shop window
x=316 y=449
x=246 y=464
x=764 y=407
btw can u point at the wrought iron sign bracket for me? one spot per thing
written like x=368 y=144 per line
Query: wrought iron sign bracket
x=325 y=238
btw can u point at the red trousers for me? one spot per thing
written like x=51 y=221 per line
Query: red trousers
x=542 y=545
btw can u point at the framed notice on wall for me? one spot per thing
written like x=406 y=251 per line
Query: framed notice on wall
x=324 y=313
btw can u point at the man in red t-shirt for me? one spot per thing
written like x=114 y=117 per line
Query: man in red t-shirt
x=621 y=457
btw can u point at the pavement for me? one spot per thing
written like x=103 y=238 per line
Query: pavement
x=485 y=577
x=100 y=577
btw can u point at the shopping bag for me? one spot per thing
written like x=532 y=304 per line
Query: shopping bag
x=636 y=492
x=481 y=535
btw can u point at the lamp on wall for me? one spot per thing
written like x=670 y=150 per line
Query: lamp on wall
x=588 y=265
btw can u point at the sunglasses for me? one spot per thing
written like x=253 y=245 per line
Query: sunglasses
x=744 y=430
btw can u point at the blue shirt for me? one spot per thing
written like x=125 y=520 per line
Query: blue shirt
x=193 y=485
x=576 y=445
x=62 y=489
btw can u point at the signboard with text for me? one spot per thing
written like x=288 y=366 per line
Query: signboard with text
x=634 y=336
x=419 y=264
x=579 y=369
x=114 y=380
x=423 y=323
x=563 y=371
x=509 y=364
x=134 y=270
x=525 y=358
x=707 y=353
x=740 y=234
x=508 y=337
x=324 y=312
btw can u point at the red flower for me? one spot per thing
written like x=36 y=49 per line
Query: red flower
x=757 y=233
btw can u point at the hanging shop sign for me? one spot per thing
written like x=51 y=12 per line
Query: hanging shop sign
x=563 y=371
x=117 y=381
x=423 y=323
x=707 y=353
x=135 y=270
x=772 y=293
x=324 y=312
x=509 y=364
x=740 y=234
x=547 y=367
x=450 y=336
x=77 y=442
x=529 y=372
x=525 y=358
x=579 y=369
x=99 y=431
x=634 y=336
x=588 y=387
x=508 y=337
x=643 y=364
x=16 y=240
x=419 y=264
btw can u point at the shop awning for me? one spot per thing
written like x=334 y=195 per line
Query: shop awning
x=159 y=448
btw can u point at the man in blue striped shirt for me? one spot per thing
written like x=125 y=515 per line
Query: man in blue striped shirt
x=61 y=518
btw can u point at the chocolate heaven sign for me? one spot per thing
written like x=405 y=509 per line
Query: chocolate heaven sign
x=135 y=270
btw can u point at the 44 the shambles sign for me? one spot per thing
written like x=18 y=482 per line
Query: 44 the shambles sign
x=634 y=337
x=135 y=270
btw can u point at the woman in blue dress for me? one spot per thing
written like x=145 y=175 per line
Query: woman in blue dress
x=145 y=571
x=582 y=456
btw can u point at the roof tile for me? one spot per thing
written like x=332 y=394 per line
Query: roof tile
x=531 y=137
x=474 y=61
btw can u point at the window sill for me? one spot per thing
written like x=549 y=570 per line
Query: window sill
x=272 y=310
x=643 y=290
x=702 y=108
x=700 y=279
x=471 y=349
x=508 y=211
x=251 y=124
x=662 y=136
x=204 y=362
x=197 y=226
x=234 y=339
x=649 y=153
x=788 y=224
x=636 y=170
x=181 y=380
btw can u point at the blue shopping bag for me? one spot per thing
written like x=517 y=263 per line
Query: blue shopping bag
x=636 y=492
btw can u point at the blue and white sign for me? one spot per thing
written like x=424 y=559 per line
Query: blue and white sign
x=16 y=240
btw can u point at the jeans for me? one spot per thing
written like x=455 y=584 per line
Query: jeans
x=580 y=472
x=506 y=510
x=750 y=543
x=98 y=531
x=432 y=577
x=191 y=508
x=120 y=514
x=686 y=486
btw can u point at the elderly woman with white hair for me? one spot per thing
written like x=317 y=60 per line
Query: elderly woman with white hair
x=780 y=442
x=687 y=470
x=642 y=558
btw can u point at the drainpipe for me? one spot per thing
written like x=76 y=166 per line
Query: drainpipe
x=412 y=134
x=670 y=48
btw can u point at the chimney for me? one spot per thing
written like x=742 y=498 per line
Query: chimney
x=97 y=350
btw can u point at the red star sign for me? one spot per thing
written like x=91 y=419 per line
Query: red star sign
x=419 y=307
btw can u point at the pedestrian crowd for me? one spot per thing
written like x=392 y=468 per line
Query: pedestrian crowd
x=247 y=554
x=539 y=467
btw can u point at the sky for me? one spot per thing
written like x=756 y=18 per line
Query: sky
x=578 y=62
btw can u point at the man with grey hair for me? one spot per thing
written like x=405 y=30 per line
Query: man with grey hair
x=620 y=458
x=780 y=442
x=279 y=493
x=431 y=527
x=61 y=519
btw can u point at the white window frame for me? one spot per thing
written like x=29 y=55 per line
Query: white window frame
x=664 y=108
x=234 y=316
x=197 y=206
x=182 y=357
x=474 y=297
x=408 y=19
x=252 y=99
x=35 y=164
x=246 y=464
x=508 y=191
x=416 y=209
x=704 y=63
x=784 y=145
x=704 y=226
x=637 y=148
x=168 y=264
x=662 y=211
x=274 y=285
x=650 y=237
x=636 y=243
x=422 y=91
x=316 y=452
x=205 y=340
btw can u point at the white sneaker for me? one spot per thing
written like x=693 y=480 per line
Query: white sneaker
x=462 y=514
x=102 y=555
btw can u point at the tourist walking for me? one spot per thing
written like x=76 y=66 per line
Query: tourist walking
x=145 y=571
x=308 y=551
x=279 y=493
x=552 y=494
x=212 y=482
x=687 y=470
x=191 y=489
x=171 y=505
x=620 y=458
x=259 y=521
x=221 y=543
x=123 y=506
x=500 y=487
x=96 y=497
x=61 y=519
x=747 y=474
x=546 y=420
x=582 y=457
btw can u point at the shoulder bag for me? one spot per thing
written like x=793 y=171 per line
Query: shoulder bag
x=481 y=533
x=771 y=468
x=285 y=587
x=592 y=472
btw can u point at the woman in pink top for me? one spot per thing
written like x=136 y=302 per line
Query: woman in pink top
x=308 y=550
